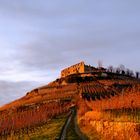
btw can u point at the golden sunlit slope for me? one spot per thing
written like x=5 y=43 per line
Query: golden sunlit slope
x=43 y=94
x=96 y=92
x=68 y=86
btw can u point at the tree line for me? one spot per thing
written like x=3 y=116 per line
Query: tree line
x=124 y=71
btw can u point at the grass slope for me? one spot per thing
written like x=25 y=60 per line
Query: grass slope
x=48 y=131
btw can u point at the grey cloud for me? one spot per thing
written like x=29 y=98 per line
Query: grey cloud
x=56 y=51
x=39 y=55
x=40 y=9
x=47 y=36
x=48 y=10
x=52 y=53
x=10 y=91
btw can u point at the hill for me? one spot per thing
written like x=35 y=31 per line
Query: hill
x=99 y=96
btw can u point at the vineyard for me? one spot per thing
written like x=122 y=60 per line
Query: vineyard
x=117 y=96
x=33 y=111
x=110 y=109
x=113 y=99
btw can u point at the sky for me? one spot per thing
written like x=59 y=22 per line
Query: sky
x=38 y=38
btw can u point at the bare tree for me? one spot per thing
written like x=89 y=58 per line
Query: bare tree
x=110 y=68
x=122 y=69
x=137 y=74
x=131 y=73
x=118 y=70
x=128 y=72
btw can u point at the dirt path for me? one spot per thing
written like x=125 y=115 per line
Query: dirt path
x=71 y=129
x=77 y=130
x=64 y=129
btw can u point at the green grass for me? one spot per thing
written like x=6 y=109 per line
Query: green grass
x=71 y=134
x=49 y=131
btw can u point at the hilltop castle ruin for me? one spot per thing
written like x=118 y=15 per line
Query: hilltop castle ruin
x=77 y=68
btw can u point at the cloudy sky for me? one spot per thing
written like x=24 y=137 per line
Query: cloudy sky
x=38 y=38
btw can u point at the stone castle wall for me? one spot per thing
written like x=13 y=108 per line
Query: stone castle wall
x=77 y=68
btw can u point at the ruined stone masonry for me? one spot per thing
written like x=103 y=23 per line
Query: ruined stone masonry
x=77 y=68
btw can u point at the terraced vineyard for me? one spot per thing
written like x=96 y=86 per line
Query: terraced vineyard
x=31 y=116
x=93 y=91
x=49 y=130
x=34 y=111
x=116 y=96
x=110 y=109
